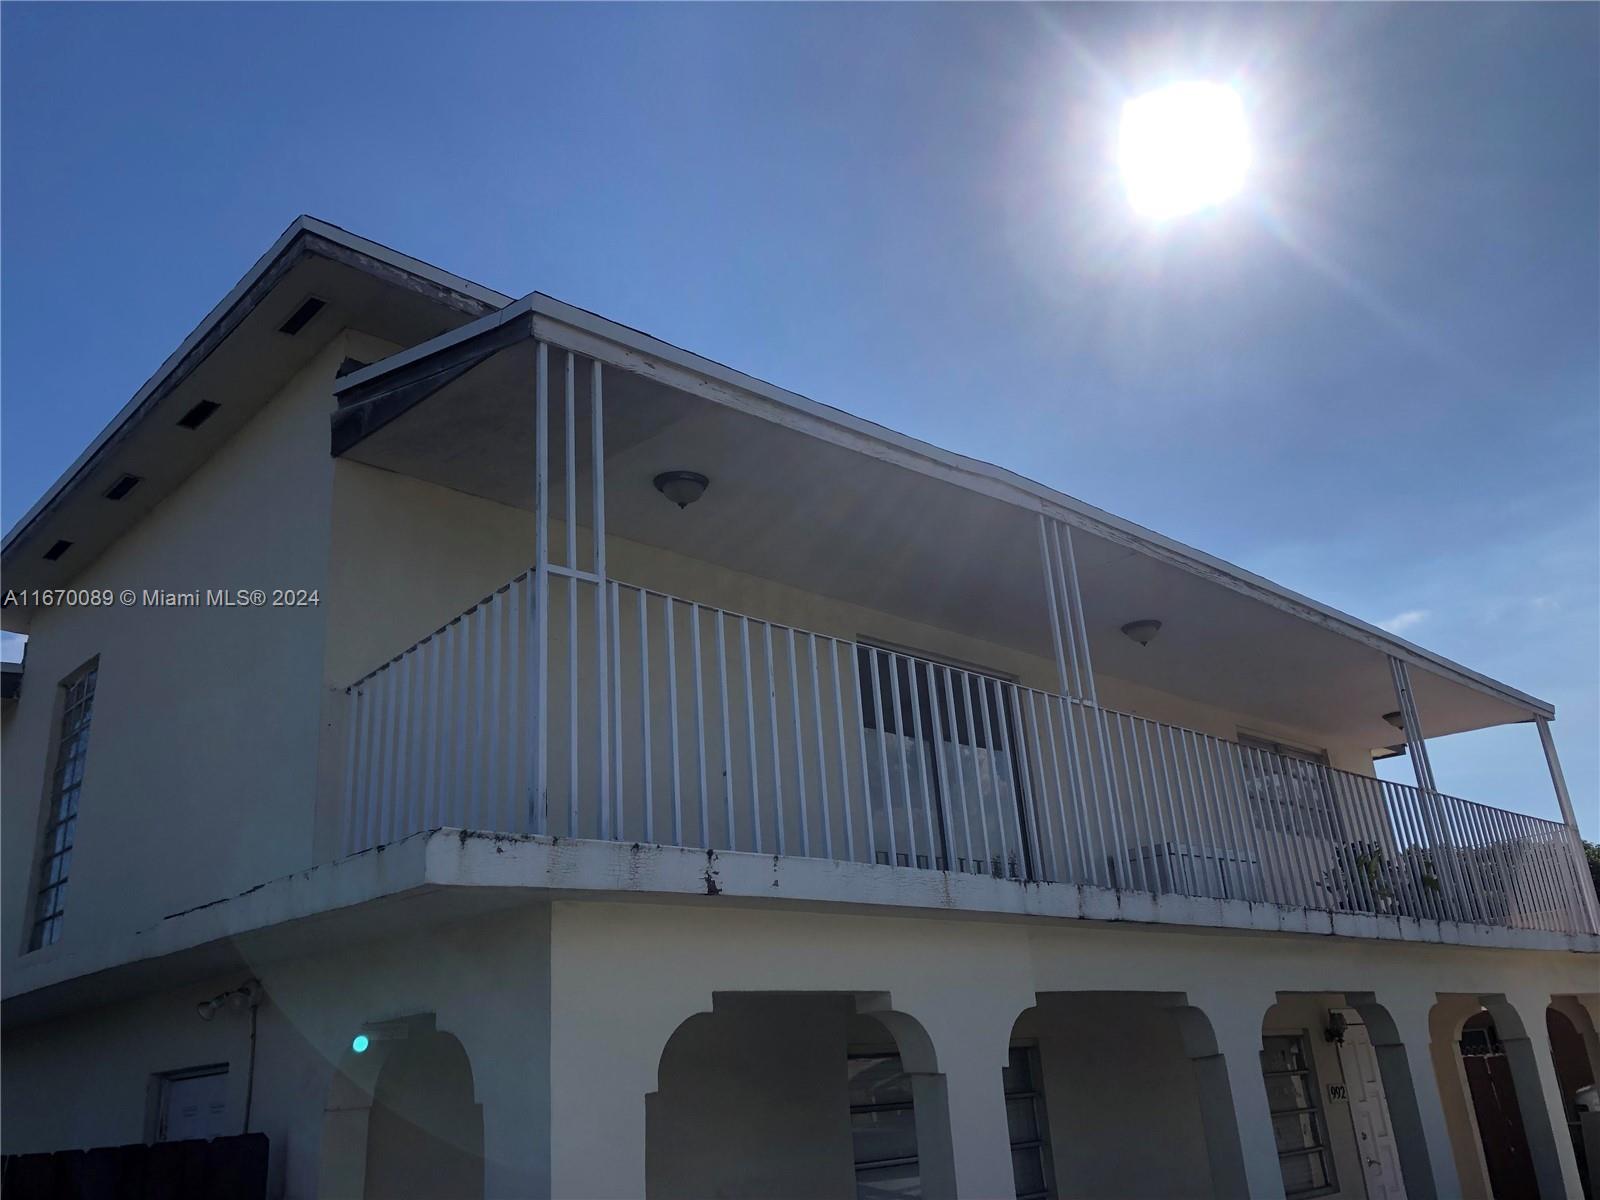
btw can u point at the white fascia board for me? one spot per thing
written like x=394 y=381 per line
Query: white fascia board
x=129 y=413
x=438 y=345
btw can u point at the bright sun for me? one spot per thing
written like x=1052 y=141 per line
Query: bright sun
x=1183 y=148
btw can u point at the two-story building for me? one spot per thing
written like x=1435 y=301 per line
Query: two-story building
x=488 y=751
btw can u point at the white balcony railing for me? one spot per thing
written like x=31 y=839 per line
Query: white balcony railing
x=698 y=727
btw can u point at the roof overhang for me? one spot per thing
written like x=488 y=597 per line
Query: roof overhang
x=237 y=357
x=453 y=365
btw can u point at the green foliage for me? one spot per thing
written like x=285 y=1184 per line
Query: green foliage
x=1591 y=851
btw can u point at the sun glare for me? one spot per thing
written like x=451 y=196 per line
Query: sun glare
x=1183 y=148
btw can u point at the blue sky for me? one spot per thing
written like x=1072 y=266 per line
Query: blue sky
x=1374 y=377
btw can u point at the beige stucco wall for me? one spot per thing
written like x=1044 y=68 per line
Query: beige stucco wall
x=571 y=1015
x=202 y=751
x=85 y=1080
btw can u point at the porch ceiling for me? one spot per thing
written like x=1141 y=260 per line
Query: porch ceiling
x=786 y=506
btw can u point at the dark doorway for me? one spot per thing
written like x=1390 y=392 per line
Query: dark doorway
x=1494 y=1101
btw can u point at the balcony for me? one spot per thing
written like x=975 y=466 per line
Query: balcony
x=582 y=700
x=721 y=731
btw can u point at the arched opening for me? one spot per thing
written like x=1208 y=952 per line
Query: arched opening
x=1492 y=1088
x=1319 y=1064
x=753 y=1100
x=1573 y=1047
x=402 y=1121
x=425 y=1133
x=1510 y=1141
x=1114 y=1080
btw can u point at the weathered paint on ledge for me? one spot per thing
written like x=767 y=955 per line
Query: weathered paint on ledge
x=451 y=873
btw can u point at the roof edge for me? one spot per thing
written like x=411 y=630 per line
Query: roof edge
x=177 y=364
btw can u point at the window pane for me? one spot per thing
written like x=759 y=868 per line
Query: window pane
x=1028 y=1170
x=878 y=1079
x=1022 y=1120
x=60 y=825
x=1289 y=1092
x=883 y=1134
x=1296 y=1132
x=884 y=1183
x=1282 y=1054
x=1304 y=1173
x=1018 y=1074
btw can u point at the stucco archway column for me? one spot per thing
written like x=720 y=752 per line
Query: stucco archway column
x=1519 y=1019
x=1221 y=1033
x=605 y=1055
x=507 y=1053
x=955 y=1045
x=1400 y=1033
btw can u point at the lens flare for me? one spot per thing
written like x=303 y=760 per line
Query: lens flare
x=1183 y=148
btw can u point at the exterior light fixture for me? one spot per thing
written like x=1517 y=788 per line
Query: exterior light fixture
x=1142 y=631
x=683 y=488
x=1336 y=1027
x=360 y=1042
x=246 y=995
x=1396 y=720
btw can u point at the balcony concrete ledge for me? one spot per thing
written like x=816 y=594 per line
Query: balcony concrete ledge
x=447 y=874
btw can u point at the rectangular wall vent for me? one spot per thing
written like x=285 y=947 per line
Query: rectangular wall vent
x=123 y=486
x=199 y=414
x=297 y=319
x=57 y=551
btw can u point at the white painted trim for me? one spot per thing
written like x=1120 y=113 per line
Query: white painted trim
x=476 y=865
x=128 y=415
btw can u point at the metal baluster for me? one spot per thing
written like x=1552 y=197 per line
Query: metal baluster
x=604 y=647
x=844 y=757
x=772 y=731
x=994 y=778
x=672 y=721
x=861 y=735
x=1134 y=858
x=955 y=751
x=1036 y=759
x=647 y=760
x=619 y=825
x=727 y=737
x=883 y=756
x=700 y=725
x=750 y=732
x=822 y=753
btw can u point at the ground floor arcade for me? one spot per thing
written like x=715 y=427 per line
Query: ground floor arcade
x=698 y=1049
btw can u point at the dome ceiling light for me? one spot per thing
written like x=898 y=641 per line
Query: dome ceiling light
x=683 y=488
x=1142 y=631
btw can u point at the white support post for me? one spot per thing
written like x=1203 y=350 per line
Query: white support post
x=539 y=800
x=1570 y=817
x=1434 y=827
x=1076 y=669
x=1411 y=724
x=597 y=455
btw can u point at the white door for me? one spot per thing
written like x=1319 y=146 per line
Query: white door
x=1369 y=1113
x=194 y=1106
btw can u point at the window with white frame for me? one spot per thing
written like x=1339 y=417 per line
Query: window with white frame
x=1289 y=787
x=61 y=816
x=1298 y=1123
x=883 y=1127
x=1030 y=1132
x=942 y=741
x=192 y=1104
